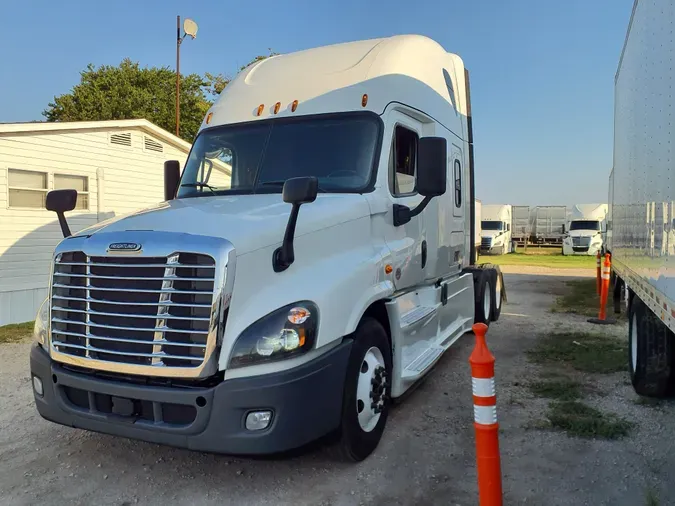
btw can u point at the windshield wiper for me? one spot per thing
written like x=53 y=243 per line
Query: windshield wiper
x=281 y=183
x=200 y=185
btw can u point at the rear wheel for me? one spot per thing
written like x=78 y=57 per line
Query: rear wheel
x=650 y=350
x=497 y=295
x=365 y=402
x=483 y=296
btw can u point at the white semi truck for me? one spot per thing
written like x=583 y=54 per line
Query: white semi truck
x=642 y=196
x=496 y=229
x=585 y=230
x=313 y=261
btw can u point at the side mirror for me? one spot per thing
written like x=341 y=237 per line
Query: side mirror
x=432 y=163
x=296 y=191
x=60 y=201
x=432 y=176
x=300 y=190
x=171 y=178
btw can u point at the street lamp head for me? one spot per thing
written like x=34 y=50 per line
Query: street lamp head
x=190 y=28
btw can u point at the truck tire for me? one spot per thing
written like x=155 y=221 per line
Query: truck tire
x=650 y=352
x=365 y=401
x=483 y=296
x=497 y=294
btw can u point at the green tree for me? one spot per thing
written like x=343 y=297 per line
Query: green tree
x=129 y=91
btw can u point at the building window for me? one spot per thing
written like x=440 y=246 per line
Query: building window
x=458 y=184
x=79 y=183
x=403 y=161
x=27 y=188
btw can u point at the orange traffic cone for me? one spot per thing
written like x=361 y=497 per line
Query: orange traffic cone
x=604 y=293
x=485 y=420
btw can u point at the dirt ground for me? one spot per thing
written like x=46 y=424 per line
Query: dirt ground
x=425 y=457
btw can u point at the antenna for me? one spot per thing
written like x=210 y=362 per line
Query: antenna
x=190 y=28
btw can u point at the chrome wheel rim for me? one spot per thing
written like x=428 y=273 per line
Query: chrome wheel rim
x=371 y=389
x=487 y=302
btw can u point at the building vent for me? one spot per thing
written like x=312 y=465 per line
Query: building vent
x=153 y=145
x=121 y=139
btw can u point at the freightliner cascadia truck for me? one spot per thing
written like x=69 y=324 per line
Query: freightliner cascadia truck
x=312 y=261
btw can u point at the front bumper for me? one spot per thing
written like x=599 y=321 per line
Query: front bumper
x=568 y=249
x=306 y=403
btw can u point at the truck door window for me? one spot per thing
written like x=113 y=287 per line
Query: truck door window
x=403 y=161
x=458 y=184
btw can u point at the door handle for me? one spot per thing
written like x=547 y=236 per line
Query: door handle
x=424 y=253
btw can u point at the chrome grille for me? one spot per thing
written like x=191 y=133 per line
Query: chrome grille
x=143 y=311
x=581 y=241
x=486 y=242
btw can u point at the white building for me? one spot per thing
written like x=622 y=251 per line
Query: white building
x=116 y=166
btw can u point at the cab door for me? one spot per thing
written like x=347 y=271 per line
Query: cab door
x=407 y=242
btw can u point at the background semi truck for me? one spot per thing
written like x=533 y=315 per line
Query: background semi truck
x=496 y=229
x=313 y=260
x=586 y=229
x=642 y=196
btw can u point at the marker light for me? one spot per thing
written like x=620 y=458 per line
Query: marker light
x=208 y=117
x=261 y=108
x=298 y=315
x=277 y=106
x=364 y=100
x=294 y=105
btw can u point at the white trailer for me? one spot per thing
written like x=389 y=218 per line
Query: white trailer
x=642 y=195
x=478 y=206
x=496 y=229
x=313 y=261
x=585 y=230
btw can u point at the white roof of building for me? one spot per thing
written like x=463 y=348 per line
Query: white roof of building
x=409 y=69
x=123 y=124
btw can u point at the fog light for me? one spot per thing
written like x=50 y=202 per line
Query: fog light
x=258 y=420
x=37 y=386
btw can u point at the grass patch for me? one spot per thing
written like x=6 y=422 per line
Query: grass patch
x=560 y=389
x=651 y=499
x=555 y=260
x=579 y=419
x=591 y=353
x=582 y=298
x=16 y=332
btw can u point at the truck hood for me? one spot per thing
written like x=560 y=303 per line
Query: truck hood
x=249 y=222
x=492 y=233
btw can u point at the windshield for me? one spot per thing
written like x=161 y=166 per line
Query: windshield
x=259 y=157
x=492 y=225
x=585 y=225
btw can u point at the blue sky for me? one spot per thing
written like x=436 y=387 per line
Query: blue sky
x=542 y=71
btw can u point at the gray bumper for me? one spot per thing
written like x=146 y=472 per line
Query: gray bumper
x=306 y=403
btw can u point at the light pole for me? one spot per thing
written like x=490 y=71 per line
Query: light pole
x=189 y=28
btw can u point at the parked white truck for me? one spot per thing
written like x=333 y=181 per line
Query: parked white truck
x=585 y=230
x=496 y=229
x=313 y=260
x=642 y=196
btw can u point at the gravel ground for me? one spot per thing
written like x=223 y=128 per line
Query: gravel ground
x=425 y=457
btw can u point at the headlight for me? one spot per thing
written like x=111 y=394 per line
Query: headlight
x=40 y=330
x=284 y=333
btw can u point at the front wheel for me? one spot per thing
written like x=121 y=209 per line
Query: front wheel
x=483 y=296
x=365 y=401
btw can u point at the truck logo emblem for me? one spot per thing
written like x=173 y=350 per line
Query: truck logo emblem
x=124 y=246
